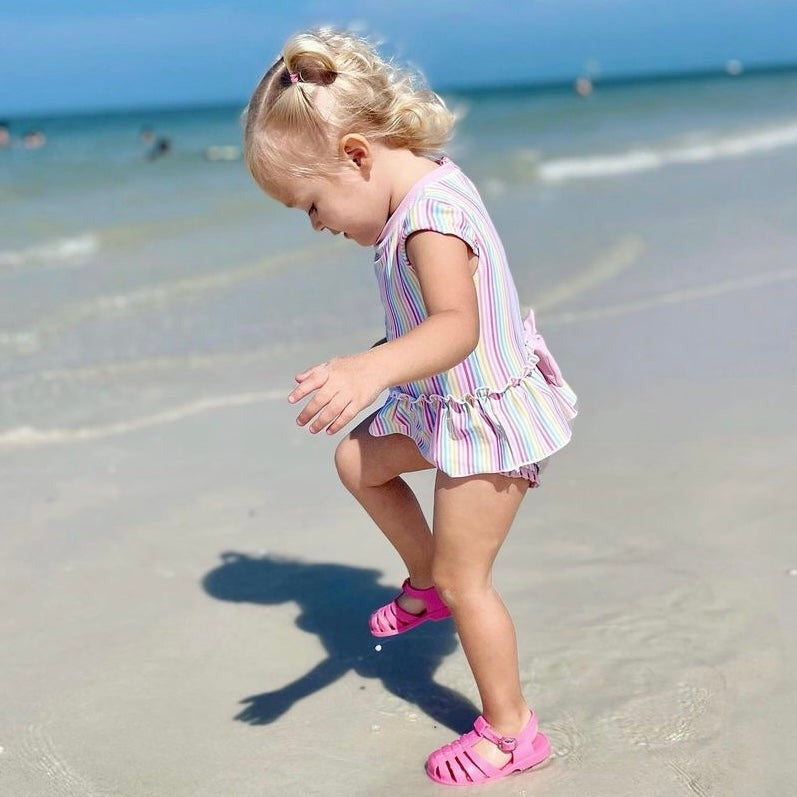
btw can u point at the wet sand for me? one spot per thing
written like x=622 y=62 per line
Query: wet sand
x=185 y=595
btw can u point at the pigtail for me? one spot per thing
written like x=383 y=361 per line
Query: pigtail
x=311 y=60
x=307 y=63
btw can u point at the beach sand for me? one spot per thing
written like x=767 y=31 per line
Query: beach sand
x=185 y=594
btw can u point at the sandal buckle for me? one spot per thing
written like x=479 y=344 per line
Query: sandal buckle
x=507 y=744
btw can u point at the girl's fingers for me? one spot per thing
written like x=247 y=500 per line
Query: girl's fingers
x=304 y=374
x=332 y=406
x=298 y=393
x=317 y=404
x=329 y=414
x=311 y=380
x=348 y=412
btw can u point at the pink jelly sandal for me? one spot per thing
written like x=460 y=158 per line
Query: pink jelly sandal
x=391 y=619
x=458 y=764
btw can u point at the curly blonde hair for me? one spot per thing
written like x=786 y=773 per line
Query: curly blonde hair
x=327 y=83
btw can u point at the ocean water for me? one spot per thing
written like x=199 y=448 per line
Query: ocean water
x=132 y=291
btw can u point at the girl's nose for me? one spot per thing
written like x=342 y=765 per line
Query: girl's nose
x=317 y=225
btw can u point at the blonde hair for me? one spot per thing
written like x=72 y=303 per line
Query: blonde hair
x=327 y=83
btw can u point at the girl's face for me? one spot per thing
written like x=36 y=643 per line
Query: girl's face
x=348 y=201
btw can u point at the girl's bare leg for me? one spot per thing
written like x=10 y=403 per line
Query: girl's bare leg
x=369 y=468
x=472 y=517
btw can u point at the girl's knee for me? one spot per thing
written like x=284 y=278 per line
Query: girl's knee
x=453 y=587
x=348 y=462
x=363 y=460
x=460 y=585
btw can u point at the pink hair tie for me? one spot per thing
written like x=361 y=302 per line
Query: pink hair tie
x=294 y=76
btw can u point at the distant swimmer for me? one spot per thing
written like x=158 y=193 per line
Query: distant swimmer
x=5 y=135
x=34 y=139
x=147 y=135
x=583 y=86
x=161 y=147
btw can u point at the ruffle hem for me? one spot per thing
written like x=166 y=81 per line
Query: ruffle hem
x=490 y=430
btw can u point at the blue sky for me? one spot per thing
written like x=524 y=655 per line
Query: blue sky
x=78 y=55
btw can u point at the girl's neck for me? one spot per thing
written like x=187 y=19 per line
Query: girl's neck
x=403 y=169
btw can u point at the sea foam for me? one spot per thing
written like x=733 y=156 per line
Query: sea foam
x=645 y=159
x=59 y=251
x=32 y=437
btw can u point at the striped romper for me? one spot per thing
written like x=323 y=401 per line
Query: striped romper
x=494 y=412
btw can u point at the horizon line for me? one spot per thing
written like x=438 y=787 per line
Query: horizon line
x=543 y=86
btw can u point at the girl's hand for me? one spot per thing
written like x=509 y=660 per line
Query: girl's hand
x=343 y=387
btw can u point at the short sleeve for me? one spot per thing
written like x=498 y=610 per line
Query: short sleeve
x=438 y=215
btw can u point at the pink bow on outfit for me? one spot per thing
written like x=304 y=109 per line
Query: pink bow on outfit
x=546 y=365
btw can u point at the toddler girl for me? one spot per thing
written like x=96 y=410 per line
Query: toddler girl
x=338 y=133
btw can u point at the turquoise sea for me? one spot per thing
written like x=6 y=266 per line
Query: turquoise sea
x=130 y=287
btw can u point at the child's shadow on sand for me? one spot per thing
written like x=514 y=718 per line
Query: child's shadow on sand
x=334 y=602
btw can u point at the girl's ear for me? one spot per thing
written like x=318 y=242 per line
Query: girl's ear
x=356 y=150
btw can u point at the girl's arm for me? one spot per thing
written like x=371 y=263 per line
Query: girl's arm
x=444 y=265
x=344 y=386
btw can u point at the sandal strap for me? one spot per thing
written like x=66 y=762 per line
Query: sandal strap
x=506 y=744
x=414 y=592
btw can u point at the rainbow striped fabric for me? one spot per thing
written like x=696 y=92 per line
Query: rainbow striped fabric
x=494 y=412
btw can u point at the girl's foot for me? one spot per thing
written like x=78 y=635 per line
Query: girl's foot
x=492 y=753
x=468 y=760
x=412 y=607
